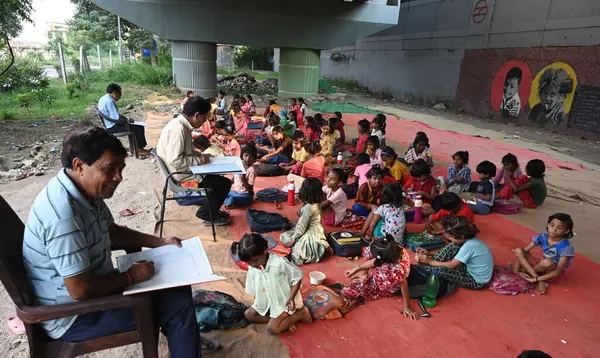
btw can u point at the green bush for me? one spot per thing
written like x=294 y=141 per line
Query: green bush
x=26 y=100
x=24 y=74
x=138 y=73
x=244 y=55
x=7 y=115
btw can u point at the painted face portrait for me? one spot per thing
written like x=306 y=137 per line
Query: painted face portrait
x=511 y=87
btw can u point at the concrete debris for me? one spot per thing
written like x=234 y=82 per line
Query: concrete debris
x=246 y=83
x=439 y=106
x=41 y=157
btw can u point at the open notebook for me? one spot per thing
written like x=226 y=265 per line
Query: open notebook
x=220 y=165
x=175 y=266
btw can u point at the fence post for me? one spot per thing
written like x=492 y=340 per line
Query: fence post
x=99 y=60
x=81 y=60
x=110 y=58
x=61 y=60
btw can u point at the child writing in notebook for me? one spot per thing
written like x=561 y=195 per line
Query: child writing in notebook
x=242 y=190
x=388 y=219
x=368 y=196
x=383 y=275
x=282 y=148
x=275 y=284
x=336 y=202
x=307 y=238
x=557 y=252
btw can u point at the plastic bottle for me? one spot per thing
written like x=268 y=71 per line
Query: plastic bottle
x=291 y=193
x=418 y=210
x=339 y=158
x=431 y=290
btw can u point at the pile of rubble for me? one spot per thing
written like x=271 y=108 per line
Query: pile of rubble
x=21 y=165
x=245 y=83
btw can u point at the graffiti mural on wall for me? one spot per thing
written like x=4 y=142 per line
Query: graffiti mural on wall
x=552 y=92
x=510 y=88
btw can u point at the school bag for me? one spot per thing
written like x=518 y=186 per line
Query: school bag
x=268 y=170
x=272 y=246
x=262 y=221
x=346 y=243
x=325 y=302
x=271 y=195
x=423 y=240
x=350 y=190
x=218 y=311
x=507 y=282
x=505 y=207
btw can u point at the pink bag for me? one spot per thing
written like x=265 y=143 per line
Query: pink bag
x=506 y=282
x=505 y=207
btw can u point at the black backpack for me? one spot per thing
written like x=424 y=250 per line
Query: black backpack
x=218 y=311
x=262 y=221
x=268 y=170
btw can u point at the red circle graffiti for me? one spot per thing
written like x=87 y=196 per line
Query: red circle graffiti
x=480 y=11
x=497 y=89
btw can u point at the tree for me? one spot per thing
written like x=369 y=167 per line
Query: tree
x=12 y=13
x=138 y=38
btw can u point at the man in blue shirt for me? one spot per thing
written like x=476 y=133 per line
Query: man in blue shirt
x=107 y=105
x=67 y=248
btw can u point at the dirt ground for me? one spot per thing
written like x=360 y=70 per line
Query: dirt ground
x=574 y=192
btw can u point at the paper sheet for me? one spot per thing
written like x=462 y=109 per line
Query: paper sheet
x=220 y=165
x=143 y=124
x=175 y=266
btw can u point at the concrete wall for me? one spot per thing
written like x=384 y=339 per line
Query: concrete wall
x=420 y=57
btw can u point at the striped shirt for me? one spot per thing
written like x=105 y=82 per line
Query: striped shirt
x=65 y=235
x=464 y=172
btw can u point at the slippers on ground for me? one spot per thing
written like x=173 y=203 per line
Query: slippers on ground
x=278 y=205
x=128 y=212
x=16 y=325
x=209 y=345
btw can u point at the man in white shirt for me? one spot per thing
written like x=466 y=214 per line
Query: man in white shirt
x=107 y=105
x=175 y=148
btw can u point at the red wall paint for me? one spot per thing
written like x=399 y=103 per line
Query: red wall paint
x=480 y=66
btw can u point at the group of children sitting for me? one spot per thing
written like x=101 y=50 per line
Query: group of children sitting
x=385 y=186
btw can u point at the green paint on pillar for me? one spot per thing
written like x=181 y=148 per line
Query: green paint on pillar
x=298 y=72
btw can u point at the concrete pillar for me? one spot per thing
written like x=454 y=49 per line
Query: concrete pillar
x=276 y=54
x=298 y=72
x=195 y=67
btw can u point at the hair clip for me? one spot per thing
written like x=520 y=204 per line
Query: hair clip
x=378 y=257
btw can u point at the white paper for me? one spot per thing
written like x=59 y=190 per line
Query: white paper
x=175 y=266
x=220 y=165
x=143 y=124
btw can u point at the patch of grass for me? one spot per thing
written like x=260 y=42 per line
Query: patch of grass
x=7 y=115
x=353 y=86
x=134 y=73
x=259 y=75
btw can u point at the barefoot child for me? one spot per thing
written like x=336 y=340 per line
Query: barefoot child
x=510 y=168
x=382 y=276
x=368 y=196
x=557 y=250
x=336 y=202
x=243 y=184
x=466 y=262
x=485 y=190
x=307 y=238
x=275 y=284
x=388 y=219
x=282 y=148
x=530 y=188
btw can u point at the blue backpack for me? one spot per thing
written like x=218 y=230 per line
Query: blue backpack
x=262 y=221
x=218 y=310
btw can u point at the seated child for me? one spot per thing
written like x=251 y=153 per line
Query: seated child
x=203 y=145
x=312 y=168
x=530 y=188
x=399 y=171
x=557 y=250
x=364 y=165
x=467 y=261
x=336 y=202
x=338 y=125
x=188 y=95
x=510 y=168
x=303 y=108
x=451 y=204
x=272 y=108
x=328 y=138
x=373 y=150
x=363 y=134
x=275 y=284
x=423 y=184
x=222 y=107
x=267 y=135
x=485 y=190
x=388 y=219
x=288 y=122
x=249 y=107
x=418 y=135
x=296 y=109
x=228 y=144
x=312 y=132
x=320 y=121
x=419 y=151
x=368 y=196
x=307 y=238
x=459 y=173
x=282 y=148
x=243 y=184
x=299 y=155
x=378 y=128
x=382 y=276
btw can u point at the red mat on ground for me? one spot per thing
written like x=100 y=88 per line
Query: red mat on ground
x=466 y=324
x=445 y=143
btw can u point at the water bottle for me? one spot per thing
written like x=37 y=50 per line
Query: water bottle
x=291 y=193
x=339 y=158
x=418 y=210
x=431 y=290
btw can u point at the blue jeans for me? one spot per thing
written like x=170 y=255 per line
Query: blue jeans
x=480 y=209
x=360 y=210
x=278 y=158
x=174 y=311
x=238 y=199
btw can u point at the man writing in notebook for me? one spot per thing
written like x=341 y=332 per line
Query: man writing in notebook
x=67 y=248
x=175 y=148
